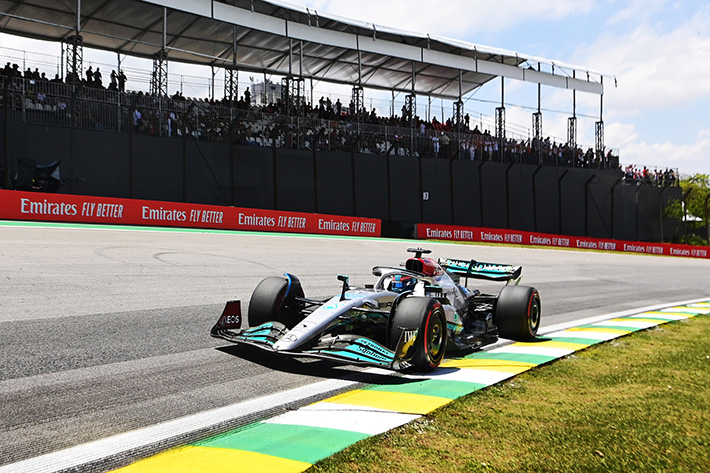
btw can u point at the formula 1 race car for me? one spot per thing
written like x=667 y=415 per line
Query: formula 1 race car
x=406 y=320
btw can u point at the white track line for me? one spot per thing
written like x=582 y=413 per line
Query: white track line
x=112 y=446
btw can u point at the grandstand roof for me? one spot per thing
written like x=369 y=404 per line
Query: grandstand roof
x=276 y=38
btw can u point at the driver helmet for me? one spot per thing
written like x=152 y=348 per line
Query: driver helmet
x=401 y=283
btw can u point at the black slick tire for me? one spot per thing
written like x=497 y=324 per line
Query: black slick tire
x=273 y=299
x=517 y=313
x=427 y=317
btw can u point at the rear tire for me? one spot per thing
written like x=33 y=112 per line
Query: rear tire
x=427 y=316
x=517 y=313
x=274 y=299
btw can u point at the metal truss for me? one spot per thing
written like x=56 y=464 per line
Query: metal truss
x=231 y=84
x=293 y=95
x=572 y=132
x=75 y=58
x=159 y=78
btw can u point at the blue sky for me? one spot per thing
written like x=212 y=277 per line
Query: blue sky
x=658 y=51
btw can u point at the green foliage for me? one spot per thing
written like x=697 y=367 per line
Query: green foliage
x=696 y=188
x=696 y=200
x=674 y=210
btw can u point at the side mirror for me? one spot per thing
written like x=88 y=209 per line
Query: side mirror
x=346 y=285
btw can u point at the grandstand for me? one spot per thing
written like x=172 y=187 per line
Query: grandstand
x=292 y=47
x=298 y=45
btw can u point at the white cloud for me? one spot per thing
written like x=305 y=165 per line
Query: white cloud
x=636 y=11
x=655 y=69
x=688 y=158
x=622 y=135
x=453 y=18
x=662 y=69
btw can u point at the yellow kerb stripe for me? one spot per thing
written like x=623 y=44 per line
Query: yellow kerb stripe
x=405 y=403
x=503 y=366
x=213 y=460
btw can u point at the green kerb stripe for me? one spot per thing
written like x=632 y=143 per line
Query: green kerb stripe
x=431 y=387
x=525 y=358
x=294 y=442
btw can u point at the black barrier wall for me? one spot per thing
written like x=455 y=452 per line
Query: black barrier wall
x=466 y=193
x=334 y=183
x=400 y=190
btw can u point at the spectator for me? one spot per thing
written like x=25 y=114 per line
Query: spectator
x=435 y=144
x=121 y=81
x=114 y=81
x=445 y=142
x=137 y=119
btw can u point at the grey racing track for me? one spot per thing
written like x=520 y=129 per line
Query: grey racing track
x=106 y=330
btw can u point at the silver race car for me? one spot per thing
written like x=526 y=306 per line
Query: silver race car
x=407 y=320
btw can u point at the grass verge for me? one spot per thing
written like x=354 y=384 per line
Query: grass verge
x=640 y=403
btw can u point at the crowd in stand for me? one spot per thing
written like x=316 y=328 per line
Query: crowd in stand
x=93 y=79
x=323 y=125
x=636 y=176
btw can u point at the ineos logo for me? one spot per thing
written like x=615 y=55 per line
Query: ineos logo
x=232 y=319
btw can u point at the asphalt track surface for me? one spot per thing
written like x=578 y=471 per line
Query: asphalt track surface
x=105 y=330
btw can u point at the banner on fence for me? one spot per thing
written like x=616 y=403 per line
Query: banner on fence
x=517 y=237
x=16 y=205
x=32 y=206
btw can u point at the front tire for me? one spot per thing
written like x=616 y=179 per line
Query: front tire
x=517 y=313
x=427 y=317
x=274 y=299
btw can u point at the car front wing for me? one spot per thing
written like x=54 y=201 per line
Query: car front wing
x=350 y=349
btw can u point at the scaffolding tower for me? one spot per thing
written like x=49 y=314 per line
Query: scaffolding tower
x=599 y=140
x=293 y=91
x=458 y=115
x=357 y=103
x=500 y=123
x=572 y=133
x=159 y=77
x=231 y=85
x=537 y=135
x=410 y=106
x=75 y=58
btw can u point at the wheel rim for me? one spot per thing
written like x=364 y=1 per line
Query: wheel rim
x=435 y=337
x=534 y=316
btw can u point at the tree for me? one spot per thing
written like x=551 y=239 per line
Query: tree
x=693 y=211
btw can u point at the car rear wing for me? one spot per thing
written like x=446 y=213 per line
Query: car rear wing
x=479 y=270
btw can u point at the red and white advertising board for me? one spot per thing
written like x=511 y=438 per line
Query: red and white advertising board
x=517 y=237
x=31 y=206
x=16 y=205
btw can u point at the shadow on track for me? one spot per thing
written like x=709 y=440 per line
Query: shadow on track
x=306 y=366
